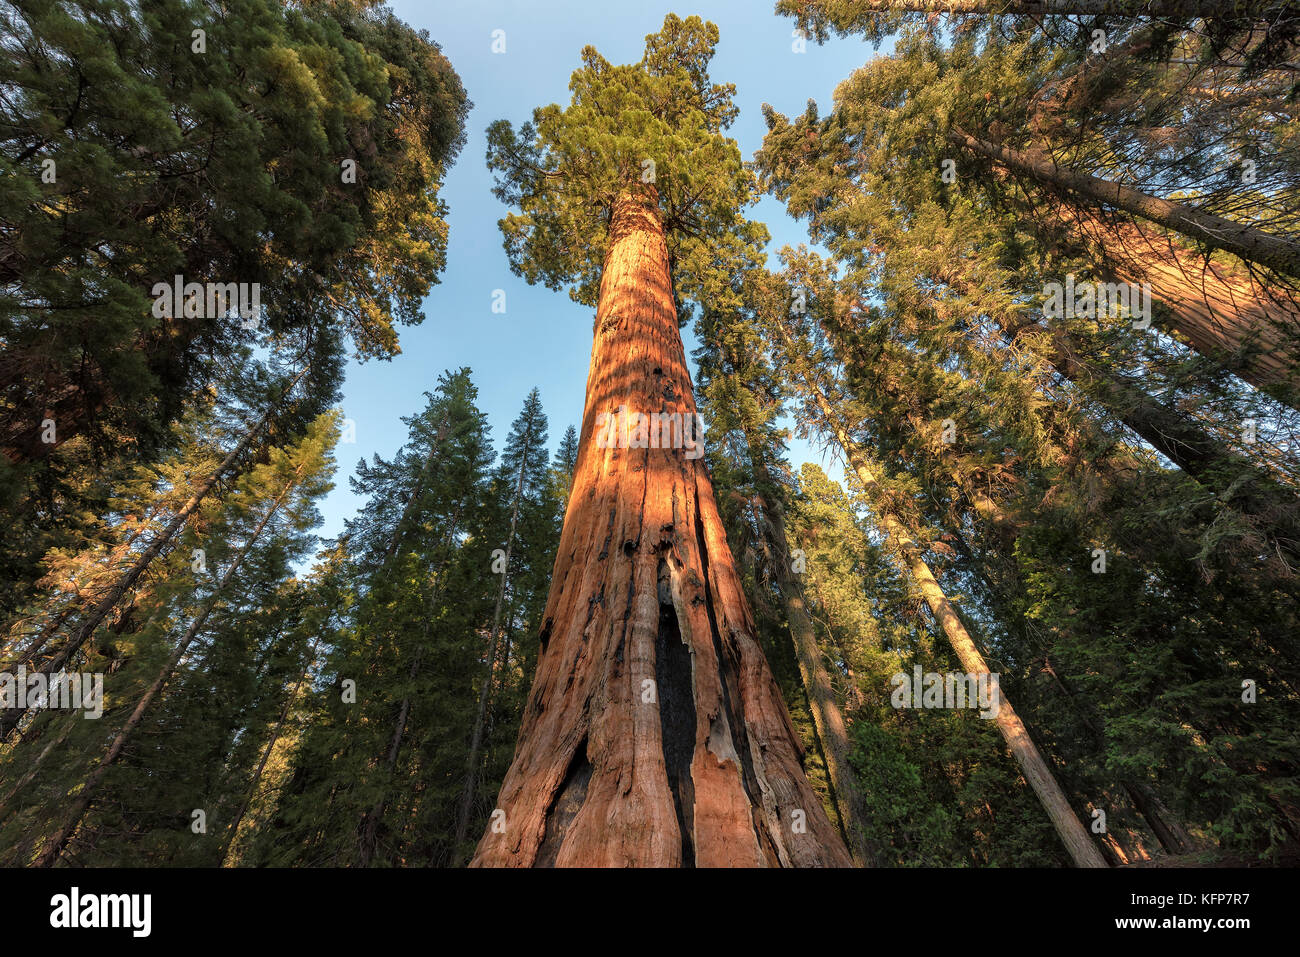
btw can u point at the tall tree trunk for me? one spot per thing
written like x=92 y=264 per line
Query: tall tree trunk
x=823 y=703
x=485 y=690
x=233 y=830
x=10 y=717
x=1219 y=312
x=1244 y=241
x=1274 y=508
x=654 y=734
x=1072 y=833
x=7 y=805
x=59 y=840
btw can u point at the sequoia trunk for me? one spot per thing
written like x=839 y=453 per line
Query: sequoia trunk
x=654 y=734
x=1217 y=310
x=1244 y=241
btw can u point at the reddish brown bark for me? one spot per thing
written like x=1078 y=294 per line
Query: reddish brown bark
x=1279 y=253
x=654 y=733
x=1217 y=310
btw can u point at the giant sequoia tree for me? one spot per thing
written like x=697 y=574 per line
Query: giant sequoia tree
x=654 y=733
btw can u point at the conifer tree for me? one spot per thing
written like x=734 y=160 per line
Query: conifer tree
x=265 y=519
x=798 y=358
x=566 y=460
x=523 y=467
x=287 y=160
x=380 y=772
x=654 y=733
x=742 y=398
x=952 y=246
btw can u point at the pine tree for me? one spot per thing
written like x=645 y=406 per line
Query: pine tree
x=742 y=398
x=265 y=520
x=797 y=357
x=523 y=468
x=566 y=461
x=57 y=651
x=380 y=779
x=955 y=248
x=289 y=158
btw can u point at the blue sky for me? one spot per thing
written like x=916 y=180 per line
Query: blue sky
x=544 y=339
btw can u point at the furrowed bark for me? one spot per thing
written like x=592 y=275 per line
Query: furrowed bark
x=654 y=734
x=1217 y=311
x=1244 y=241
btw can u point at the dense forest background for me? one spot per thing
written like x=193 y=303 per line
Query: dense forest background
x=1098 y=503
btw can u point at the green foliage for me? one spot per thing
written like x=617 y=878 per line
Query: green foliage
x=133 y=151
x=656 y=126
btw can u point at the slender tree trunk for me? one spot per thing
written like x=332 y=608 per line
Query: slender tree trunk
x=1218 y=468
x=10 y=717
x=654 y=733
x=370 y=827
x=59 y=840
x=1246 y=242
x=1173 y=837
x=370 y=830
x=823 y=703
x=1072 y=833
x=7 y=806
x=485 y=690
x=233 y=830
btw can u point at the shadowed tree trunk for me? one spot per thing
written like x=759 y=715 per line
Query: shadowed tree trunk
x=232 y=832
x=654 y=734
x=823 y=703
